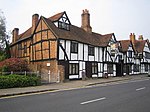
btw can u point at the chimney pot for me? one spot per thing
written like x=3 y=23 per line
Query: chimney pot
x=140 y=37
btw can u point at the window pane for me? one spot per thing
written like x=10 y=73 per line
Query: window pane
x=91 y=50
x=110 y=68
x=74 y=47
x=74 y=68
x=70 y=69
x=25 y=48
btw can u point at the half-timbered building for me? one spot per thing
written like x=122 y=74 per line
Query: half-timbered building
x=127 y=56
x=57 y=48
x=135 y=55
x=54 y=45
x=142 y=55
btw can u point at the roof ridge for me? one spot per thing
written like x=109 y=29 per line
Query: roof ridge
x=56 y=16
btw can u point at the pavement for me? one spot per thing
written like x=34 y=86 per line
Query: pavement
x=67 y=85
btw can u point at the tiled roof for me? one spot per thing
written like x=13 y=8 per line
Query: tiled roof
x=27 y=33
x=56 y=16
x=75 y=33
x=139 y=45
x=124 y=45
x=78 y=34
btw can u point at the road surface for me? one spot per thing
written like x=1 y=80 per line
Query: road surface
x=129 y=96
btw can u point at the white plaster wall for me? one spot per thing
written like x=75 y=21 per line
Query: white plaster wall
x=85 y=52
x=80 y=51
x=96 y=53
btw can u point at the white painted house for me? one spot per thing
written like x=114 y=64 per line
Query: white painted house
x=84 y=52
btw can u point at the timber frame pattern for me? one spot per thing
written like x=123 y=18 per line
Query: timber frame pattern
x=54 y=46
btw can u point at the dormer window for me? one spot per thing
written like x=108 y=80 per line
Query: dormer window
x=63 y=25
x=63 y=21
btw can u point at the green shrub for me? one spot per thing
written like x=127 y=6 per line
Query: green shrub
x=10 y=81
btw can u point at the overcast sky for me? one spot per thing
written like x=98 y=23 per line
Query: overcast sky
x=121 y=17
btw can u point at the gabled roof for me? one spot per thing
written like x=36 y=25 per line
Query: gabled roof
x=56 y=17
x=78 y=34
x=75 y=33
x=125 y=45
x=27 y=33
x=139 y=45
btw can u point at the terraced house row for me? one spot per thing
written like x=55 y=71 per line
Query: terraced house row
x=55 y=47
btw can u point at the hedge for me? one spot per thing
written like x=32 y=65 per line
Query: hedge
x=11 y=81
x=13 y=64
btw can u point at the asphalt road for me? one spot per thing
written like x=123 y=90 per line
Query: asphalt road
x=132 y=96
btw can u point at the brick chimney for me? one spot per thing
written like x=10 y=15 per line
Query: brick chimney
x=140 y=37
x=35 y=19
x=86 y=21
x=15 y=34
x=132 y=38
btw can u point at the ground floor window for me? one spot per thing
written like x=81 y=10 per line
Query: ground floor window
x=130 y=68
x=127 y=69
x=136 y=68
x=146 y=67
x=94 y=68
x=74 y=68
x=110 y=68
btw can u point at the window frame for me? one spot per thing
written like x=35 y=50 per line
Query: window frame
x=136 y=68
x=110 y=68
x=19 y=46
x=74 y=47
x=146 y=67
x=73 y=68
x=63 y=25
x=25 y=48
x=94 y=68
x=91 y=50
x=130 y=54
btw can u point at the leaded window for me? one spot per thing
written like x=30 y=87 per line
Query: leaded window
x=74 y=47
x=74 y=68
x=146 y=67
x=91 y=50
x=110 y=68
x=94 y=68
x=130 y=54
x=25 y=48
x=136 y=68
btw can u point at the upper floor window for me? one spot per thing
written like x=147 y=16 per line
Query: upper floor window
x=120 y=57
x=113 y=52
x=74 y=47
x=130 y=54
x=147 y=55
x=25 y=48
x=91 y=50
x=19 y=46
x=63 y=25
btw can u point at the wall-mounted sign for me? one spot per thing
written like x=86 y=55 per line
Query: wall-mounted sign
x=48 y=64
